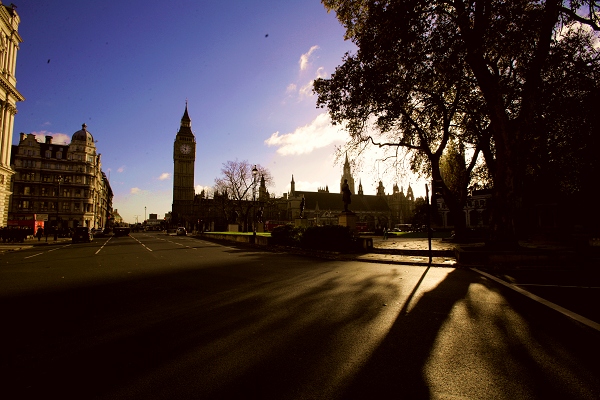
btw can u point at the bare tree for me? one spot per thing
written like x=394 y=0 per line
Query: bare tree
x=240 y=185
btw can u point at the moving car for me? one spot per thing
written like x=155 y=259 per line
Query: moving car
x=98 y=233
x=181 y=231
x=121 y=231
x=82 y=234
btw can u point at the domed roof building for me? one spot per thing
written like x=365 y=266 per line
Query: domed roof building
x=63 y=181
x=83 y=135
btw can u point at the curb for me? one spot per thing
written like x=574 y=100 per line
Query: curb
x=570 y=314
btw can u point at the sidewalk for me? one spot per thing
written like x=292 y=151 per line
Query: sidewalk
x=30 y=242
x=411 y=251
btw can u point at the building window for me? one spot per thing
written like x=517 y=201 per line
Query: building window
x=76 y=207
x=65 y=206
x=44 y=191
x=77 y=192
x=48 y=154
x=59 y=155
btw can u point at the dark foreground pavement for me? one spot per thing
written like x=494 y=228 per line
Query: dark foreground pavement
x=178 y=318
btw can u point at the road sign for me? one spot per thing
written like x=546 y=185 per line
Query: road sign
x=41 y=217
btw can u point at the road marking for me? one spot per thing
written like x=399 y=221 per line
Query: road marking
x=35 y=255
x=101 y=247
x=556 y=307
x=146 y=247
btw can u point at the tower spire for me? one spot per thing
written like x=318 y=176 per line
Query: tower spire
x=186 y=121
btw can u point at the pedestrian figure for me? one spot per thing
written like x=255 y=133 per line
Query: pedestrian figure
x=39 y=233
x=346 y=195
x=385 y=233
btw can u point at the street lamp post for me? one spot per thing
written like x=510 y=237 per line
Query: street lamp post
x=254 y=175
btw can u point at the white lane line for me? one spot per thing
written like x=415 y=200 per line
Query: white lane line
x=35 y=255
x=146 y=247
x=556 y=307
x=101 y=247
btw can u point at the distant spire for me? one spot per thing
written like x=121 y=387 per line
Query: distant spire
x=186 y=121
x=292 y=187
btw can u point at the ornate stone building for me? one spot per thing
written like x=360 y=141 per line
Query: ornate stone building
x=61 y=183
x=373 y=211
x=184 y=157
x=9 y=96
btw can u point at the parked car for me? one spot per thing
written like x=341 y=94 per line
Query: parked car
x=181 y=231
x=82 y=234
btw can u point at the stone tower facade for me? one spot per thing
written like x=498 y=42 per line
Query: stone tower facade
x=184 y=157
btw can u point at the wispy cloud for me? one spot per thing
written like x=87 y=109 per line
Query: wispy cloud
x=121 y=169
x=305 y=58
x=306 y=90
x=319 y=133
x=57 y=138
x=291 y=88
x=164 y=176
x=135 y=190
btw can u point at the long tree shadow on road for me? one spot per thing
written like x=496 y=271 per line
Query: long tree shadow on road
x=396 y=368
x=266 y=326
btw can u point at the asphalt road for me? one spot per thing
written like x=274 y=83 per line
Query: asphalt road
x=151 y=316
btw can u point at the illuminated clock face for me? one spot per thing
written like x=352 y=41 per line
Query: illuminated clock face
x=185 y=148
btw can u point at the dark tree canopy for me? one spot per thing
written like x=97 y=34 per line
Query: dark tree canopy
x=482 y=73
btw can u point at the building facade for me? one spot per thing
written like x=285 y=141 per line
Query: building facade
x=60 y=184
x=9 y=96
x=476 y=211
x=373 y=211
x=184 y=157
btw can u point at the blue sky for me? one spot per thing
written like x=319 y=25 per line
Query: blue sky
x=127 y=68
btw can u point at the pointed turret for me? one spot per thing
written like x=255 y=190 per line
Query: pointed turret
x=186 y=122
x=409 y=193
x=347 y=175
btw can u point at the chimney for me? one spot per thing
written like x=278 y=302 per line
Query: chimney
x=48 y=139
x=23 y=136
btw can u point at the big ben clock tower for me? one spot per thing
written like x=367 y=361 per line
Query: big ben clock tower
x=184 y=156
